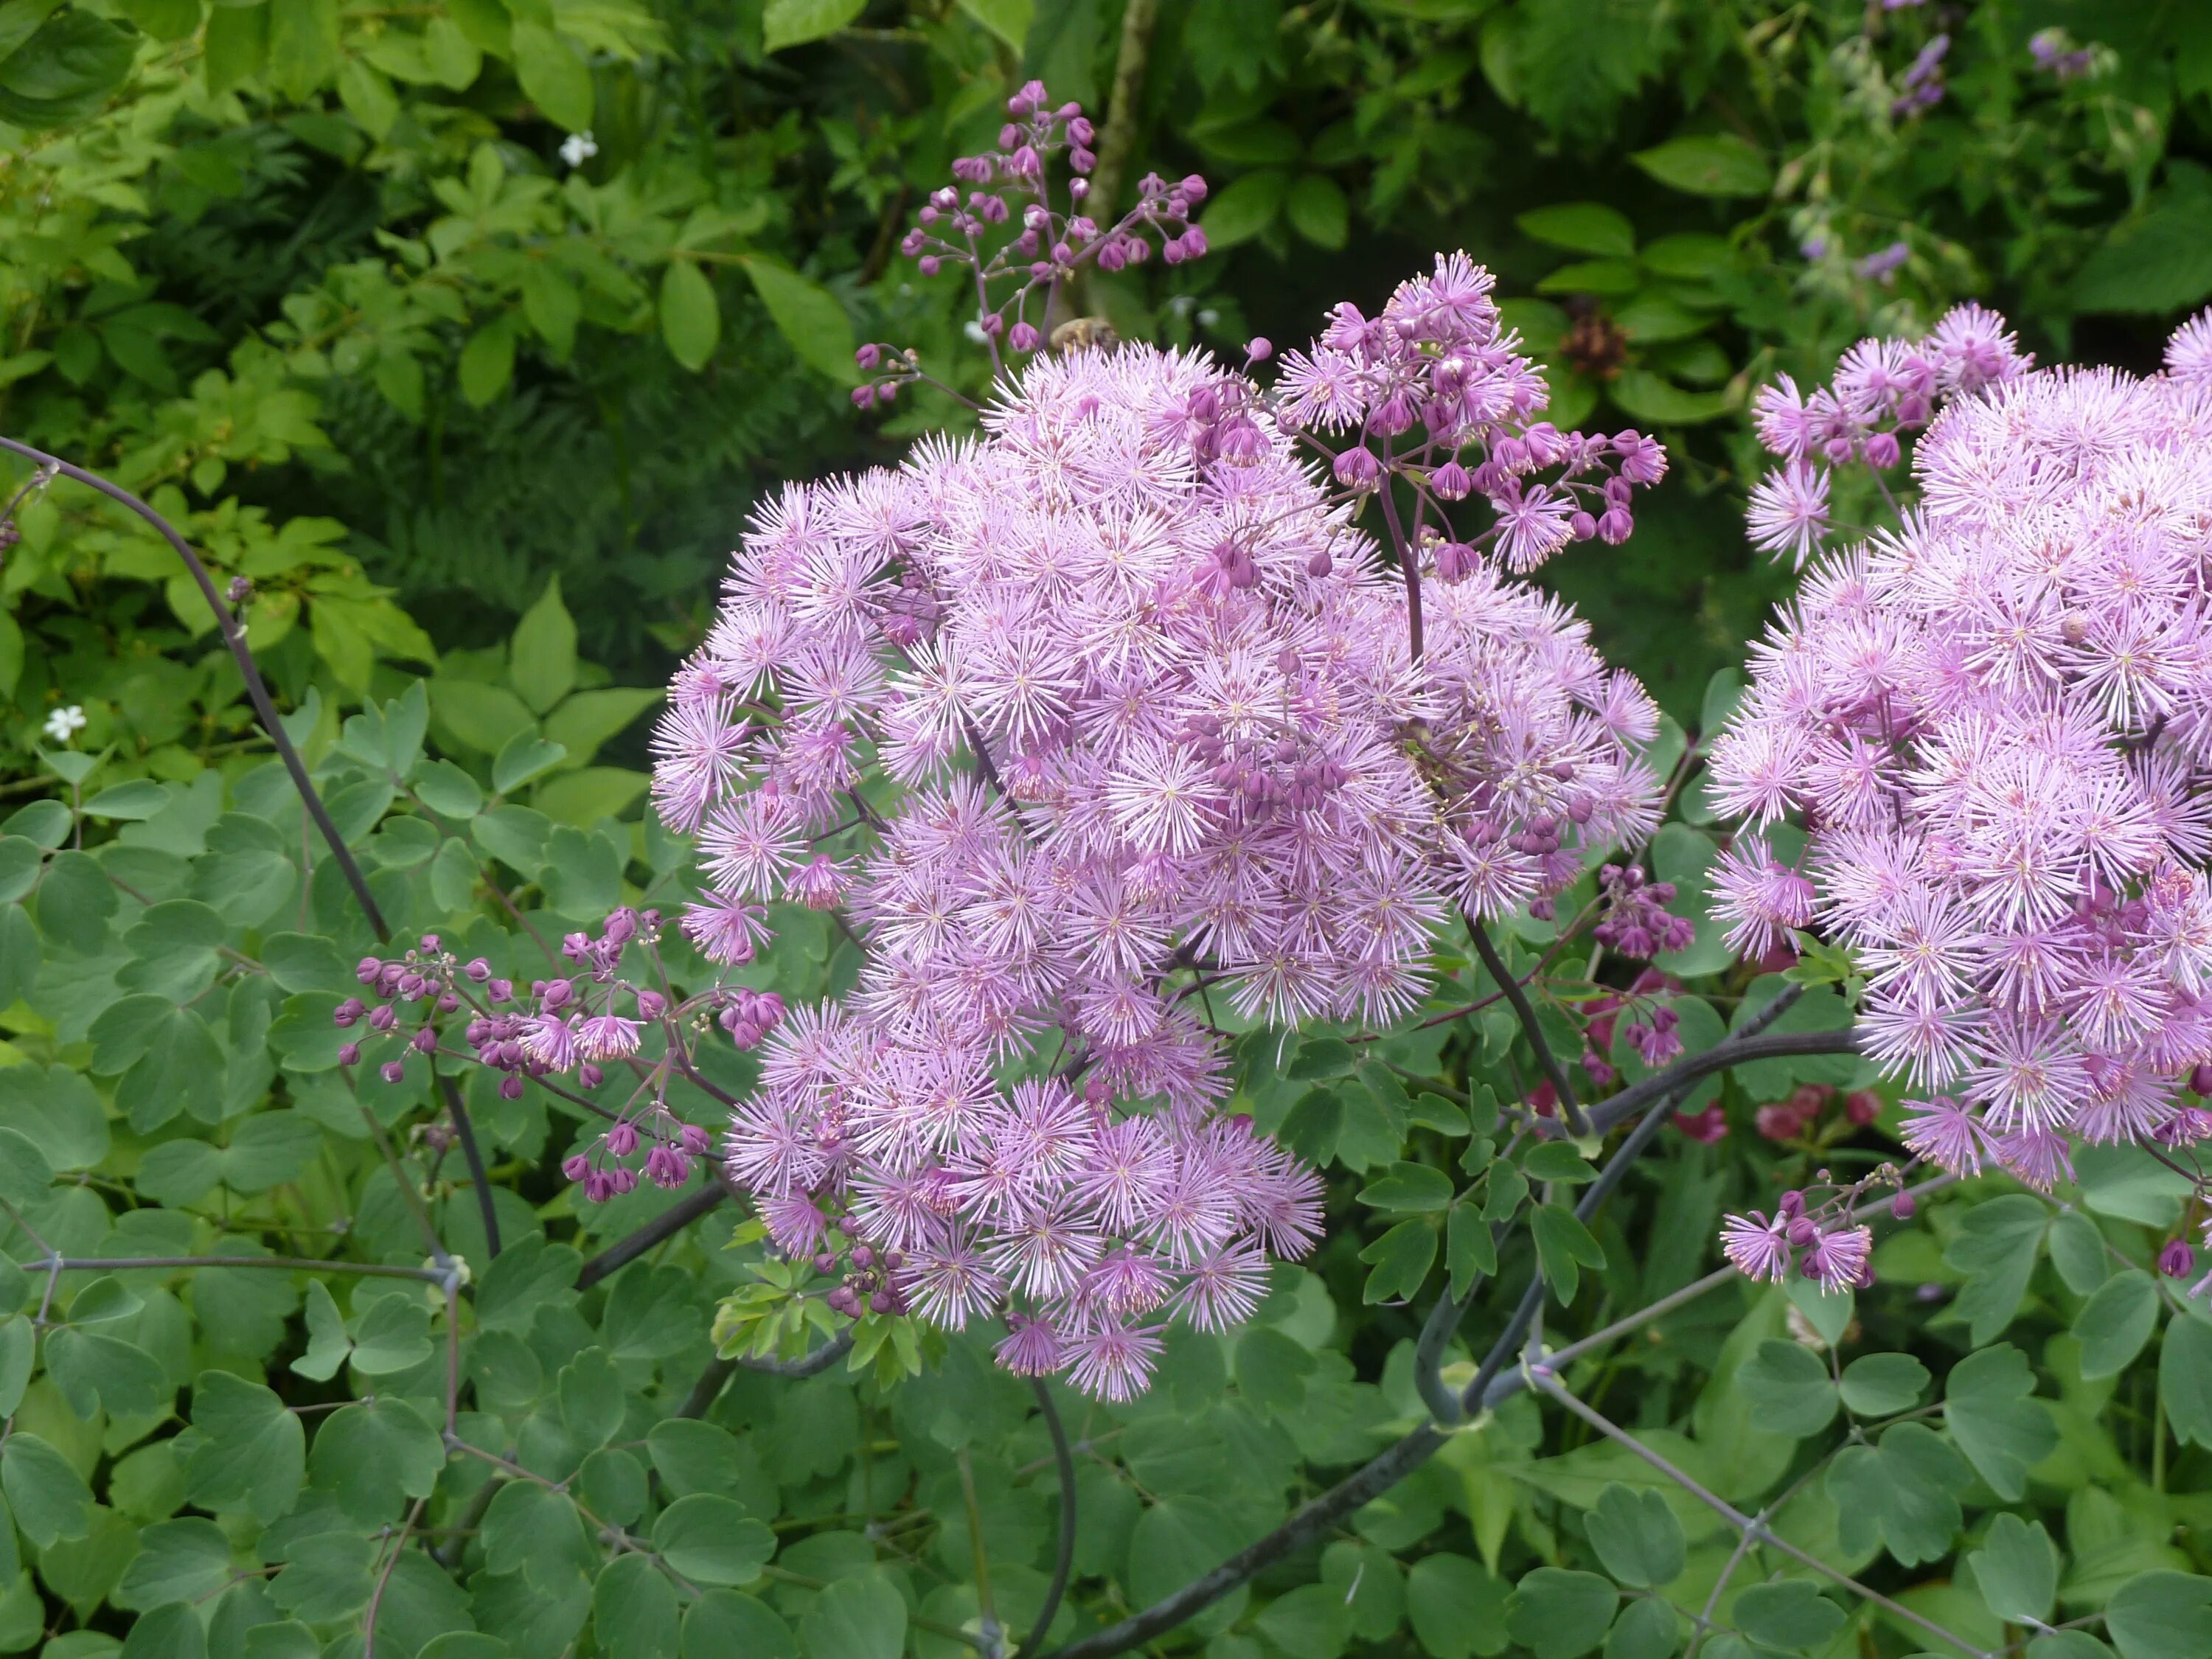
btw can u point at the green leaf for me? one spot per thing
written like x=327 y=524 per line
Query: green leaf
x=1788 y=1388
x=1828 y=1312
x=1557 y=1160
x=375 y=1455
x=724 y=1624
x=49 y=1497
x=1997 y=1248
x=525 y=757
x=2077 y=1250
x=252 y=1456
x=1271 y=1371
x=2158 y=261
x=326 y=1578
x=57 y=1111
x=690 y=317
x=327 y=1346
x=1659 y=402
x=633 y=1609
x=1470 y=1249
x=1010 y=19
x=554 y=307
x=303 y=46
x=1883 y=1384
x=140 y=799
x=487 y=363
x=1311 y=1622
x=2184 y=1380
x=2017 y=1568
x=173 y=1631
x=1245 y=208
x=483 y=717
x=554 y=75
x=19 y=1347
x=794 y=22
x=20 y=859
x=1409 y=1187
x=2161 y=1615
x=448 y=791
x=24 y=1173
x=1648 y=1628
x=2115 y=1322
x=1637 y=1536
x=1792 y=1615
x=1455 y=1607
x=394 y=1336
x=1604 y=276
x=862 y=1618
x=1559 y=1614
x=1990 y=1407
x=1402 y=1259
x=65 y=69
x=1317 y=210
x=710 y=1539
x=1564 y=1247
x=1583 y=227
x=807 y=315
x=542 y=660
x=1709 y=164
x=590 y=1394
x=185 y=1561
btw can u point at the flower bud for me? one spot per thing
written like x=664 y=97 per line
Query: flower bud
x=349 y=1054
x=2177 y=1260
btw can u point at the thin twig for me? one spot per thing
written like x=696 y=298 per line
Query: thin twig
x=384 y=1579
x=467 y=1131
x=234 y=638
x=1063 y=1552
x=1543 y=1377
x=665 y=1225
x=1576 y=1123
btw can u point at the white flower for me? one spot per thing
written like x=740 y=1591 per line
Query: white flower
x=578 y=148
x=64 y=723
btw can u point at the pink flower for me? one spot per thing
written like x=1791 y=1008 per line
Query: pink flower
x=1755 y=1247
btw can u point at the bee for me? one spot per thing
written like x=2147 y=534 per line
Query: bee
x=1084 y=334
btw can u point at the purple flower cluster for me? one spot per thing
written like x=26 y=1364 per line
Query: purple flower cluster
x=577 y=1025
x=1994 y=725
x=1085 y=720
x=1826 y=1246
x=1435 y=392
x=1636 y=923
x=1922 y=86
x=2057 y=57
x=1050 y=236
x=1883 y=388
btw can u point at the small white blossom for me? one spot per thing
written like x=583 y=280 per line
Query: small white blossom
x=578 y=148
x=65 y=723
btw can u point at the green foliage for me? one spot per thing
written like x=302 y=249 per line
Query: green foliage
x=321 y=283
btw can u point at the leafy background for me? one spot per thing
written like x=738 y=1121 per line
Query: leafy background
x=479 y=420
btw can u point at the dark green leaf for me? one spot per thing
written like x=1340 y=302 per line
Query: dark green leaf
x=1883 y=1384
x=1412 y=1187
x=1455 y=1607
x=1559 y=1614
x=2115 y=1321
x=1637 y=1536
x=2161 y=1615
x=2001 y=1427
x=1792 y=1615
x=2017 y=1568
x=709 y=1540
